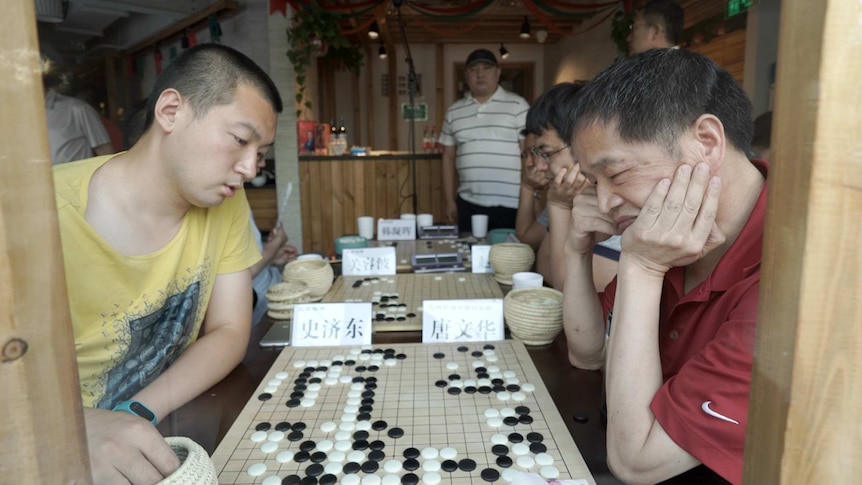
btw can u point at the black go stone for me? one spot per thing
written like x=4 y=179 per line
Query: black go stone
x=498 y=388
x=370 y=467
x=535 y=437
x=470 y=389
x=357 y=283
x=371 y=386
x=396 y=433
x=295 y=436
x=453 y=391
x=307 y=445
x=297 y=394
x=411 y=315
x=315 y=380
x=328 y=479
x=264 y=426
x=318 y=457
x=463 y=349
x=352 y=467
x=374 y=368
x=510 y=421
x=476 y=353
x=314 y=470
x=525 y=419
x=378 y=351
x=300 y=380
x=282 y=426
x=513 y=388
x=366 y=409
x=515 y=437
x=309 y=370
x=409 y=479
x=376 y=455
x=337 y=362
x=300 y=386
x=291 y=480
x=484 y=390
x=360 y=368
x=389 y=351
x=360 y=435
x=449 y=465
x=308 y=481
x=390 y=319
x=377 y=445
x=488 y=347
x=482 y=375
x=301 y=457
x=379 y=425
x=410 y=464
x=482 y=370
x=322 y=368
x=360 y=445
x=454 y=377
x=292 y=403
x=500 y=450
x=467 y=465
x=522 y=410
x=411 y=453
x=265 y=396
x=497 y=381
x=490 y=475
x=504 y=461
x=299 y=426
x=401 y=356
x=358 y=378
x=363 y=417
x=367 y=401
x=538 y=448
x=349 y=362
x=367 y=394
x=441 y=383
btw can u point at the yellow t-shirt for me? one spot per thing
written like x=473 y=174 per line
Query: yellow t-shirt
x=132 y=316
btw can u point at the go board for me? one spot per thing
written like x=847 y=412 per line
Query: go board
x=454 y=414
x=404 y=250
x=397 y=299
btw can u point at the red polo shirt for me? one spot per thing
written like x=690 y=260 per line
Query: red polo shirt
x=706 y=345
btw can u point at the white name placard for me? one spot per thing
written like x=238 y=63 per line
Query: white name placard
x=368 y=261
x=396 y=229
x=462 y=320
x=330 y=324
x=480 y=258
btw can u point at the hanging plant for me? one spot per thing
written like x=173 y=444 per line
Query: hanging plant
x=315 y=34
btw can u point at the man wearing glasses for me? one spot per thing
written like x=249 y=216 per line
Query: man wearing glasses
x=482 y=143
x=657 y=26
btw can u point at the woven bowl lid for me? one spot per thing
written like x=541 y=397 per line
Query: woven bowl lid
x=195 y=464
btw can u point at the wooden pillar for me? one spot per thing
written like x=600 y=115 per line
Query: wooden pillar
x=393 y=95
x=803 y=423
x=440 y=86
x=42 y=435
x=369 y=91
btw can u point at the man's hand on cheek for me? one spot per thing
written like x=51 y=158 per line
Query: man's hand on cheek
x=676 y=225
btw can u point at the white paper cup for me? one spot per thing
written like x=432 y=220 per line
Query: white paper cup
x=424 y=220
x=409 y=216
x=365 y=227
x=480 y=225
x=307 y=256
x=527 y=279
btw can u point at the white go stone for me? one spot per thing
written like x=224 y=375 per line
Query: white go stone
x=363 y=425
x=331 y=381
x=495 y=375
x=350 y=480
x=355 y=351
x=351 y=408
x=519 y=396
x=544 y=459
x=312 y=363
x=357 y=386
x=390 y=480
x=258 y=436
x=477 y=364
x=325 y=445
x=391 y=362
x=356 y=455
x=504 y=395
x=452 y=365
x=342 y=445
x=508 y=475
x=506 y=412
x=520 y=449
x=429 y=453
x=549 y=472
x=431 y=466
x=527 y=387
x=257 y=469
x=282 y=375
x=448 y=453
x=268 y=447
x=371 y=480
x=392 y=466
x=353 y=401
x=526 y=462
x=499 y=439
x=270 y=389
x=311 y=394
x=284 y=457
x=347 y=426
x=345 y=379
x=513 y=380
x=314 y=386
x=326 y=363
x=336 y=457
x=491 y=358
x=274 y=382
x=495 y=422
x=509 y=374
x=491 y=413
x=485 y=382
x=364 y=357
x=271 y=480
x=298 y=364
x=328 y=427
x=333 y=468
x=307 y=402
x=431 y=478
x=470 y=382
x=457 y=383
x=354 y=393
x=342 y=435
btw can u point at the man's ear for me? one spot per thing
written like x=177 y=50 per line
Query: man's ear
x=708 y=132
x=167 y=108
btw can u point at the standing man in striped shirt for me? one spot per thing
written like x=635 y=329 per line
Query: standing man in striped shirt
x=482 y=144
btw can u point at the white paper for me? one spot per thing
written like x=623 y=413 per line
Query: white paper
x=396 y=229
x=462 y=320
x=330 y=324
x=368 y=261
x=480 y=258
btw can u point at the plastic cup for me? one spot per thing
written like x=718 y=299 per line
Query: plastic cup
x=480 y=225
x=527 y=279
x=424 y=220
x=365 y=227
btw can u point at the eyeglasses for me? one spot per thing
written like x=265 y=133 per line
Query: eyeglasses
x=546 y=155
x=635 y=25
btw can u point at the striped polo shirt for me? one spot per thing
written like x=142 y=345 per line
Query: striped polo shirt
x=488 y=157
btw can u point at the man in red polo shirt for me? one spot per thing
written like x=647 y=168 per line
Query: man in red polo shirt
x=662 y=137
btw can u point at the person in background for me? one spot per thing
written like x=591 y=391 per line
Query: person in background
x=657 y=26
x=531 y=224
x=662 y=138
x=762 y=139
x=547 y=123
x=75 y=130
x=157 y=249
x=275 y=254
x=90 y=95
x=482 y=144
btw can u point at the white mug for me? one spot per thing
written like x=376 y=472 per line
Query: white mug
x=365 y=227
x=527 y=279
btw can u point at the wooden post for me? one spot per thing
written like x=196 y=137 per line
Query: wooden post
x=804 y=423
x=42 y=435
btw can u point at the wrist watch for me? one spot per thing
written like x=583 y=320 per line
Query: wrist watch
x=138 y=409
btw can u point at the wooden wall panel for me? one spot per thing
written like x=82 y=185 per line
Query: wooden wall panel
x=264 y=206
x=728 y=51
x=337 y=191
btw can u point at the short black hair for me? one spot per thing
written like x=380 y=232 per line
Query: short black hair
x=668 y=15
x=548 y=110
x=656 y=95
x=208 y=75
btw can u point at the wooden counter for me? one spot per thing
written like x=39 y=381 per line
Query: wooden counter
x=338 y=189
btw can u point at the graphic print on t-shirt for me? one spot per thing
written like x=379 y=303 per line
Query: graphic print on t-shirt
x=154 y=342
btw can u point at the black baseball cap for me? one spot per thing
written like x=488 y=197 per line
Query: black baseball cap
x=482 y=55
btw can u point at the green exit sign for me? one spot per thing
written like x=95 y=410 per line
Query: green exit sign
x=418 y=112
x=736 y=7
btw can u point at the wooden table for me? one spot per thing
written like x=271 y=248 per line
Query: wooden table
x=576 y=393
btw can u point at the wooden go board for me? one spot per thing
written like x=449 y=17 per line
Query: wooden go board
x=404 y=250
x=455 y=414
x=397 y=299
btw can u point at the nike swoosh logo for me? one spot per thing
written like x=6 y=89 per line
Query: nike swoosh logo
x=707 y=410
